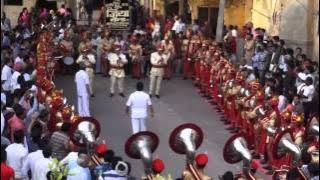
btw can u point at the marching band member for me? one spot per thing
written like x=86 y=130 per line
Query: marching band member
x=197 y=173
x=135 y=53
x=190 y=50
x=89 y=60
x=158 y=61
x=117 y=74
x=106 y=44
x=200 y=55
x=170 y=52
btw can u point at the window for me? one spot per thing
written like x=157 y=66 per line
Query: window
x=13 y=2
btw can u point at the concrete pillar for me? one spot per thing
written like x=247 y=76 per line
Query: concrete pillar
x=2 y=6
x=219 y=30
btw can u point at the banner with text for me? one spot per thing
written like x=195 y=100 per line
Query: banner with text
x=118 y=14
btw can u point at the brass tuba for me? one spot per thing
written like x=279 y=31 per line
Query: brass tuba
x=284 y=144
x=141 y=146
x=236 y=150
x=84 y=132
x=313 y=128
x=186 y=139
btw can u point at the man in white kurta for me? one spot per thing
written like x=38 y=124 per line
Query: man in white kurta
x=117 y=61
x=83 y=83
x=138 y=103
x=158 y=61
x=88 y=60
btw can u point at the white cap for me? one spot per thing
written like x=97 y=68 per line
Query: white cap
x=302 y=76
x=33 y=88
x=122 y=172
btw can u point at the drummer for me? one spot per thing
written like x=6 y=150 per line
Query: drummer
x=89 y=61
x=66 y=46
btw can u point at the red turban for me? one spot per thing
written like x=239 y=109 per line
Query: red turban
x=101 y=149
x=202 y=160
x=158 y=166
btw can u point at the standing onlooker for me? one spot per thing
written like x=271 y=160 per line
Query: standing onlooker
x=16 y=154
x=306 y=92
x=5 y=23
x=6 y=74
x=42 y=164
x=30 y=162
x=139 y=102
x=249 y=49
x=258 y=63
x=7 y=173
x=60 y=142
x=83 y=90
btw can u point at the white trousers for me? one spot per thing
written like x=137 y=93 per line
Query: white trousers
x=138 y=125
x=83 y=106
x=115 y=80
x=155 y=84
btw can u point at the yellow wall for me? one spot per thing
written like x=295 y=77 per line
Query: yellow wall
x=13 y=12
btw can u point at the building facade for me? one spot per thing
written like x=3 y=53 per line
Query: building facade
x=296 y=21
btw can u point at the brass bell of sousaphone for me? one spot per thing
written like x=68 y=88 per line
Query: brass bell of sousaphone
x=141 y=146
x=236 y=150
x=85 y=131
x=284 y=144
x=186 y=139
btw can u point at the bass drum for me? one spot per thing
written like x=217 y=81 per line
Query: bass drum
x=68 y=60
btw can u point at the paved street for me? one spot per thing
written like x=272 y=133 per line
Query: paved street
x=179 y=104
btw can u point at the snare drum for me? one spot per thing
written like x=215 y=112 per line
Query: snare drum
x=68 y=60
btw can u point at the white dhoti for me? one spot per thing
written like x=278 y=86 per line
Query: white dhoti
x=83 y=106
x=138 y=125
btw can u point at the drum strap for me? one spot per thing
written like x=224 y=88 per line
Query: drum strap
x=116 y=67
x=160 y=66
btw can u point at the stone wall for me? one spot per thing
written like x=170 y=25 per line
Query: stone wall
x=316 y=31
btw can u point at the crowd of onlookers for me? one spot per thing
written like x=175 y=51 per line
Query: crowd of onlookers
x=27 y=147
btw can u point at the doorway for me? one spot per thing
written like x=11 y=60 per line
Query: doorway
x=209 y=14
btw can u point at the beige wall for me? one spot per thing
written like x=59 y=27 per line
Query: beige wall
x=315 y=31
x=13 y=12
x=292 y=20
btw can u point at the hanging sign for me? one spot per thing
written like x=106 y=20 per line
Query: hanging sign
x=118 y=14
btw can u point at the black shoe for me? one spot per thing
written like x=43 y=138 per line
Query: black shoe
x=157 y=96
x=122 y=95
x=150 y=95
x=92 y=95
x=111 y=95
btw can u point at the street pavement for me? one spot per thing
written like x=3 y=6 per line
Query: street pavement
x=179 y=103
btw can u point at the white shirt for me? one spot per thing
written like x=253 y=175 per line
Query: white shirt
x=2 y=122
x=113 y=175
x=14 y=81
x=282 y=103
x=6 y=74
x=77 y=172
x=27 y=77
x=234 y=33
x=139 y=102
x=16 y=154
x=251 y=77
x=41 y=168
x=308 y=91
x=141 y=32
x=30 y=162
x=81 y=80
x=178 y=27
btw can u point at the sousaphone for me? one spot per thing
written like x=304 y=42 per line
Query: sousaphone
x=85 y=131
x=312 y=128
x=284 y=144
x=236 y=150
x=186 y=139
x=141 y=146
